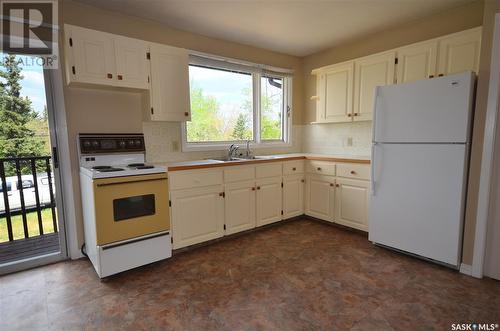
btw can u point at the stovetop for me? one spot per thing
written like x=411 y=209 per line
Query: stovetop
x=120 y=170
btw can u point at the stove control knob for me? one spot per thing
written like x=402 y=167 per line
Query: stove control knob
x=87 y=143
x=122 y=144
x=95 y=144
x=138 y=143
x=130 y=143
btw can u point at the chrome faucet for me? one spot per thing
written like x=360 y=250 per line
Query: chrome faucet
x=248 y=152
x=231 y=151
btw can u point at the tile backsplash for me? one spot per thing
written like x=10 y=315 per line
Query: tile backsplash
x=334 y=138
x=161 y=138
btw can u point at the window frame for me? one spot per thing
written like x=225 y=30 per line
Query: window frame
x=257 y=71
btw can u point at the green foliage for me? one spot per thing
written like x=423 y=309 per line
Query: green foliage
x=208 y=124
x=17 y=138
x=241 y=131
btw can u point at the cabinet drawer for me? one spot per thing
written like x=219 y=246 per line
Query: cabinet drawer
x=199 y=178
x=239 y=173
x=293 y=167
x=268 y=170
x=358 y=171
x=320 y=167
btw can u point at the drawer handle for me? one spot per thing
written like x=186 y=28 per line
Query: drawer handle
x=440 y=75
x=353 y=172
x=120 y=77
x=319 y=169
x=293 y=169
x=431 y=76
x=110 y=75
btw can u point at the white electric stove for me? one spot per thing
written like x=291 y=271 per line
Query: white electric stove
x=125 y=203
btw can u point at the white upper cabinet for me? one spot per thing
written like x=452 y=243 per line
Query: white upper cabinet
x=370 y=72
x=132 y=67
x=416 y=62
x=94 y=57
x=345 y=90
x=334 y=102
x=460 y=52
x=90 y=56
x=169 y=84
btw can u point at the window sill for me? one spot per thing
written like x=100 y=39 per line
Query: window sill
x=201 y=147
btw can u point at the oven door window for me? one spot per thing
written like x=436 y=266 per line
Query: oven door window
x=132 y=207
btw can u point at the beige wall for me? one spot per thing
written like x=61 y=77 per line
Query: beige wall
x=454 y=20
x=490 y=8
x=104 y=110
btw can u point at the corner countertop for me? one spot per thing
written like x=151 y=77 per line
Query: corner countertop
x=201 y=164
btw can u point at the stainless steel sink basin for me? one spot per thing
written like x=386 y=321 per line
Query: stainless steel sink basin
x=224 y=159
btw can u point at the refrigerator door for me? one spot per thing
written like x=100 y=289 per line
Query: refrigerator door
x=431 y=110
x=418 y=198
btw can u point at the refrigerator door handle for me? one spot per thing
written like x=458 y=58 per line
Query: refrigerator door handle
x=376 y=102
x=372 y=175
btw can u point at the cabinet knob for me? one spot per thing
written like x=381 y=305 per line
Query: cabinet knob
x=349 y=115
x=319 y=169
x=186 y=113
x=293 y=169
x=353 y=172
x=431 y=76
x=253 y=188
x=120 y=77
x=302 y=180
x=356 y=114
x=110 y=75
x=440 y=75
x=337 y=185
x=258 y=187
x=331 y=184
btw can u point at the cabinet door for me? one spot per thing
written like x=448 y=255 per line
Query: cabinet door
x=416 y=62
x=132 y=65
x=197 y=215
x=352 y=203
x=293 y=196
x=268 y=200
x=239 y=206
x=370 y=72
x=169 y=84
x=460 y=52
x=92 y=57
x=335 y=96
x=320 y=192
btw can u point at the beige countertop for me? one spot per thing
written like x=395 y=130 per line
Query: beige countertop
x=209 y=163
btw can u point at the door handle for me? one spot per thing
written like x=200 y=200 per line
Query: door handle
x=131 y=182
x=372 y=169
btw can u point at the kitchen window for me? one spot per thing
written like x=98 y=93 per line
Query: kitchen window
x=232 y=103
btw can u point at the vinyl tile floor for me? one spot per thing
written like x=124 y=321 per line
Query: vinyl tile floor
x=298 y=275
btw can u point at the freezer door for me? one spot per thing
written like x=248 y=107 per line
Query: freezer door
x=418 y=198
x=431 y=110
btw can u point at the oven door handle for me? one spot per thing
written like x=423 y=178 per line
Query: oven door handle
x=130 y=182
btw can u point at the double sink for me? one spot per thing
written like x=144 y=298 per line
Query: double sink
x=239 y=159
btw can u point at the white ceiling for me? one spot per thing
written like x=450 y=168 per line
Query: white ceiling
x=295 y=27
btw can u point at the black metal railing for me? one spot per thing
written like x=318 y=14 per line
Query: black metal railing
x=27 y=187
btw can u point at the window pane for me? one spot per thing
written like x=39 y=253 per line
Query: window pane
x=271 y=108
x=221 y=105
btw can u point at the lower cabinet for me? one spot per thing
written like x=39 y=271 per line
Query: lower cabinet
x=293 y=196
x=352 y=203
x=268 y=200
x=197 y=215
x=239 y=206
x=320 y=193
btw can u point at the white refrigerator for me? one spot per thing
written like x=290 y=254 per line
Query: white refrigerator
x=420 y=153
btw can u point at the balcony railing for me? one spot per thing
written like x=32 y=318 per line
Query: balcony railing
x=28 y=219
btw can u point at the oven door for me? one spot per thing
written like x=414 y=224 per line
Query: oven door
x=129 y=207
